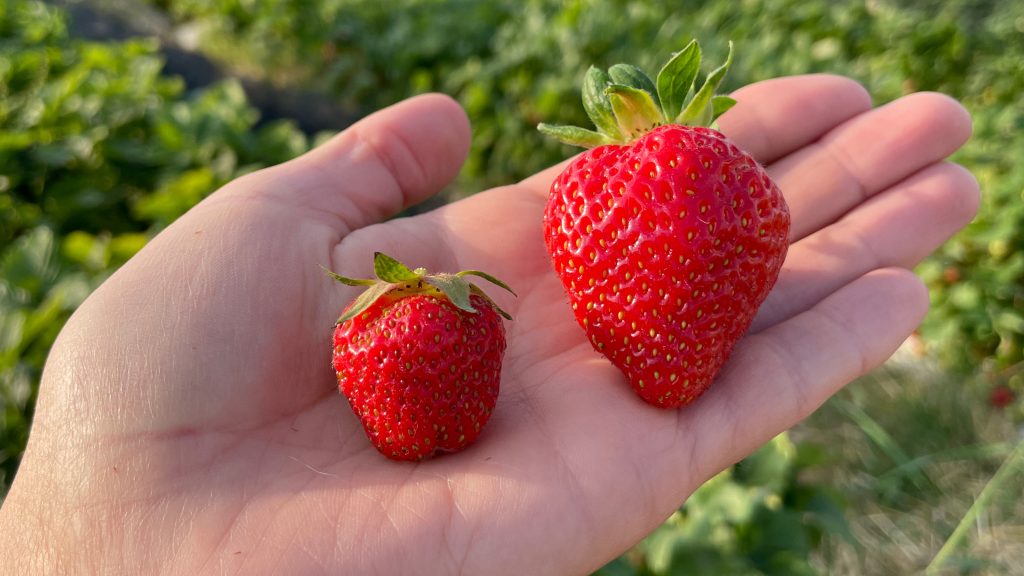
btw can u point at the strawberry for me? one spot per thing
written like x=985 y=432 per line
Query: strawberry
x=418 y=356
x=1001 y=396
x=665 y=234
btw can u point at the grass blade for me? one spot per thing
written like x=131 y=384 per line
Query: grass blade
x=885 y=442
x=1014 y=463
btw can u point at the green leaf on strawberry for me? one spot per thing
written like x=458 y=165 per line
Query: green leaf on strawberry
x=624 y=103
x=675 y=80
x=390 y=270
x=596 y=103
x=634 y=109
x=394 y=276
x=697 y=112
x=634 y=77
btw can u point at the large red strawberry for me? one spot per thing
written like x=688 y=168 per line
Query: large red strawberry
x=666 y=235
x=418 y=356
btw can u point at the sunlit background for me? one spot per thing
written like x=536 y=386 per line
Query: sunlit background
x=116 y=116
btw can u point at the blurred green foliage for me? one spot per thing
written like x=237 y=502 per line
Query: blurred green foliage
x=98 y=151
x=759 y=517
x=513 y=63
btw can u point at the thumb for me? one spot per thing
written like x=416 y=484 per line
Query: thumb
x=388 y=161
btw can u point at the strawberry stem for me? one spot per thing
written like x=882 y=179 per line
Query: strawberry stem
x=393 y=276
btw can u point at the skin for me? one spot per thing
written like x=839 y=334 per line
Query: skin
x=188 y=420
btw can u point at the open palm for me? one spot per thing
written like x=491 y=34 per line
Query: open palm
x=189 y=421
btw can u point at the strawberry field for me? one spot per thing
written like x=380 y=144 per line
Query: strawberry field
x=917 y=467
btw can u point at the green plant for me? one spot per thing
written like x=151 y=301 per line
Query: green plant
x=761 y=517
x=977 y=282
x=97 y=152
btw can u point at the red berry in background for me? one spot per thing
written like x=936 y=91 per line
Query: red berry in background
x=418 y=356
x=1001 y=396
x=951 y=275
x=667 y=237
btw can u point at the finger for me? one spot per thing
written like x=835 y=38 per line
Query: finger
x=386 y=162
x=897 y=228
x=774 y=117
x=777 y=378
x=866 y=155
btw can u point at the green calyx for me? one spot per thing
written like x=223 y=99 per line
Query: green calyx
x=396 y=278
x=624 y=103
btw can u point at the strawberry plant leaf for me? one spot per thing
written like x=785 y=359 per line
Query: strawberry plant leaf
x=634 y=77
x=675 y=80
x=361 y=303
x=455 y=288
x=348 y=281
x=697 y=112
x=575 y=136
x=487 y=277
x=596 y=103
x=390 y=270
x=477 y=291
x=720 y=105
x=635 y=110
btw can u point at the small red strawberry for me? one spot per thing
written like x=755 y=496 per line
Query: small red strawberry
x=666 y=236
x=1001 y=396
x=419 y=358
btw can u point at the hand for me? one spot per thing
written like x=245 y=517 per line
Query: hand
x=188 y=420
